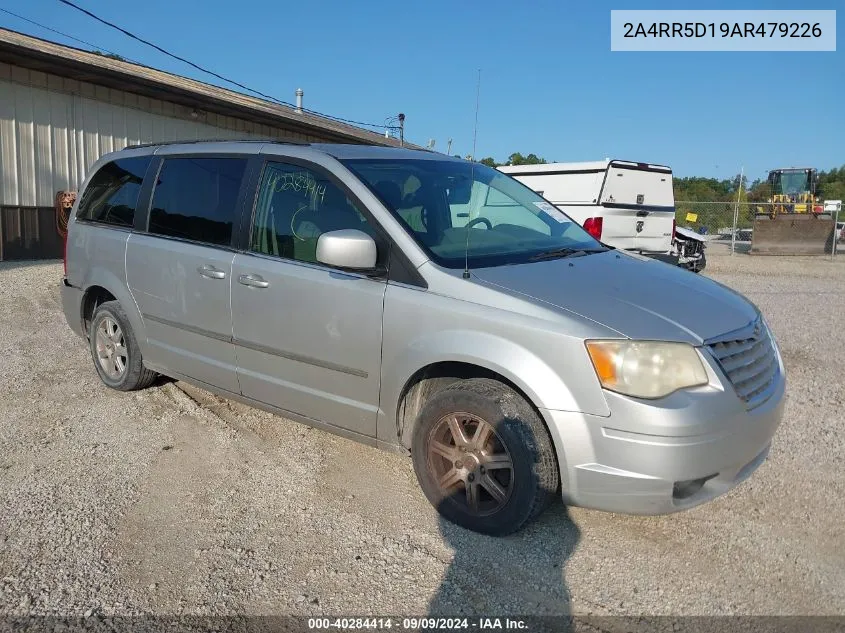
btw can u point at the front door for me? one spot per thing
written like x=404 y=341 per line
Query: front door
x=179 y=272
x=307 y=336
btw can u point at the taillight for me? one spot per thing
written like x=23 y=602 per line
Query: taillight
x=593 y=227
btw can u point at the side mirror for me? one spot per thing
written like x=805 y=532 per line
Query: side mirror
x=349 y=249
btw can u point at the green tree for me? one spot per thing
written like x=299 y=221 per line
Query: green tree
x=697 y=189
x=759 y=191
x=490 y=162
x=833 y=190
x=832 y=184
x=518 y=159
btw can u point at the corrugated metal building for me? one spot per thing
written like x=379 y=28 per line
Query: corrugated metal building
x=61 y=108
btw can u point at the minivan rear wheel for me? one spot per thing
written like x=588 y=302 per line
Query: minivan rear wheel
x=114 y=350
x=484 y=458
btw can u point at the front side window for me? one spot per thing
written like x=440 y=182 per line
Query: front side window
x=195 y=198
x=112 y=194
x=295 y=206
x=462 y=212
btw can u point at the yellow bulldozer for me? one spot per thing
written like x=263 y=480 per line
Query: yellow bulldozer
x=793 y=191
x=793 y=222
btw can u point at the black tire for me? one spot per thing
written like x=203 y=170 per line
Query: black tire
x=533 y=480
x=134 y=375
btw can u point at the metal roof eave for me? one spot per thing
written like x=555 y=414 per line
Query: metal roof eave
x=50 y=57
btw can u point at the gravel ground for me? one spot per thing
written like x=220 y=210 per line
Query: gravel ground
x=172 y=501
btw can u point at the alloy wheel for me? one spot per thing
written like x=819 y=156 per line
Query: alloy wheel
x=470 y=463
x=111 y=348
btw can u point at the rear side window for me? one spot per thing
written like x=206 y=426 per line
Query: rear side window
x=112 y=194
x=194 y=199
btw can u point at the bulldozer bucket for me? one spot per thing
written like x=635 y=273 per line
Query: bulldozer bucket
x=792 y=234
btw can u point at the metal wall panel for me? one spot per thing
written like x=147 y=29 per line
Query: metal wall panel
x=8 y=147
x=25 y=160
x=29 y=234
x=52 y=130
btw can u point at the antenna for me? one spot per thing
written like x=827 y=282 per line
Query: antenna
x=472 y=173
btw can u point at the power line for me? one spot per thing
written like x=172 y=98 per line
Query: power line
x=160 y=49
x=70 y=37
x=211 y=72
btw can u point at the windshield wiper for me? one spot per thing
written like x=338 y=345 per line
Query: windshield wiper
x=559 y=253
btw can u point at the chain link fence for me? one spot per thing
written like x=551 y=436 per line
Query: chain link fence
x=728 y=227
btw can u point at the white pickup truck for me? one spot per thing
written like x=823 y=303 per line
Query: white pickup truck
x=628 y=205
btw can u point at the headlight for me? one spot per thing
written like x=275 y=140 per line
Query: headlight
x=646 y=369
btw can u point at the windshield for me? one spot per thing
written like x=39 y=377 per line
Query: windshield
x=457 y=209
x=791 y=182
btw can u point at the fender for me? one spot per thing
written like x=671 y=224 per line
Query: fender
x=531 y=374
x=687 y=234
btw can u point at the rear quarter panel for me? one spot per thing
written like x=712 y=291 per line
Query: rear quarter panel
x=96 y=256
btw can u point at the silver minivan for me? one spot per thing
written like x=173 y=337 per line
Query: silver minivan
x=426 y=305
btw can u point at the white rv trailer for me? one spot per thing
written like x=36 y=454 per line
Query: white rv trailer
x=624 y=204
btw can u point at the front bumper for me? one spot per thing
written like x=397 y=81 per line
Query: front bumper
x=644 y=459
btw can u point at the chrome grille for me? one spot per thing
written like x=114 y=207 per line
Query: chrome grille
x=750 y=362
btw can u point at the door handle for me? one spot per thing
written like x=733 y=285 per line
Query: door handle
x=211 y=272
x=253 y=281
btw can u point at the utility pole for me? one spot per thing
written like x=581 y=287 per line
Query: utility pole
x=736 y=210
x=401 y=130
x=449 y=148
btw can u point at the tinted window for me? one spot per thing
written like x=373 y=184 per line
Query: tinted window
x=295 y=206
x=195 y=198
x=112 y=194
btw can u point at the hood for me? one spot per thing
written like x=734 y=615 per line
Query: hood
x=687 y=233
x=638 y=297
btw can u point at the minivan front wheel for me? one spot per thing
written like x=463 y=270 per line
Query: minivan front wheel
x=483 y=457
x=117 y=357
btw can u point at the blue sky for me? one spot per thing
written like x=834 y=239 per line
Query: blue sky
x=549 y=82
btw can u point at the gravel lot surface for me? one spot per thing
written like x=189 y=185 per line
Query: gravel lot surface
x=172 y=501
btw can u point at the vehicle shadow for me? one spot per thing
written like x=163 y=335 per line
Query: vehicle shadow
x=519 y=575
x=161 y=380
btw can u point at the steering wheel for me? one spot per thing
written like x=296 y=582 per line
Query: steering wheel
x=475 y=221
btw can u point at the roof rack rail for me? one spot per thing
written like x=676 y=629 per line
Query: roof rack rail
x=216 y=140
